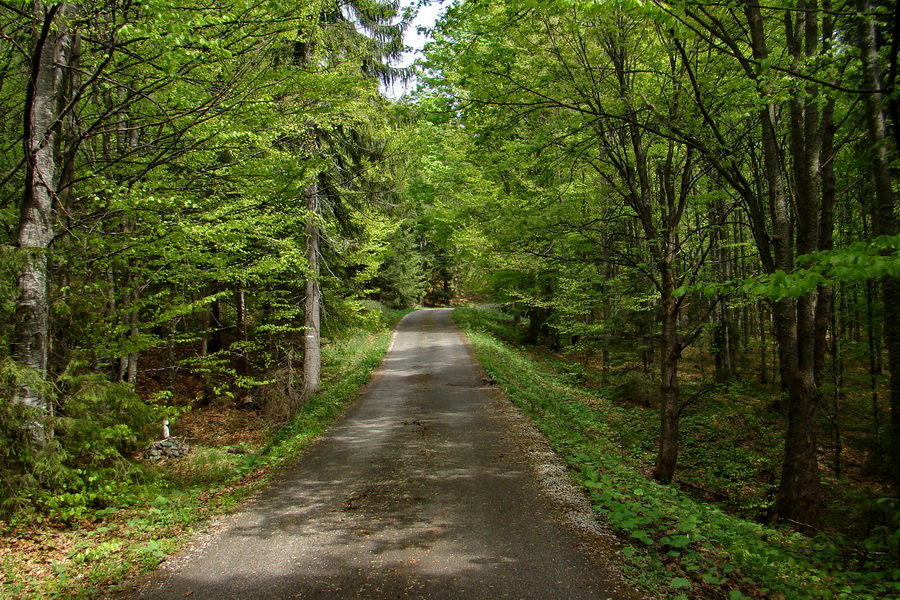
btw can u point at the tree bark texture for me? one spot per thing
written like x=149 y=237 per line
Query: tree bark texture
x=659 y=207
x=312 y=355
x=801 y=223
x=884 y=217
x=240 y=305
x=670 y=390
x=52 y=50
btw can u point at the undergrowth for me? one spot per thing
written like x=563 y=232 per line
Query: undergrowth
x=676 y=546
x=91 y=548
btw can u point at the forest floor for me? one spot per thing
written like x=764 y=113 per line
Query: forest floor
x=675 y=544
x=89 y=553
x=33 y=554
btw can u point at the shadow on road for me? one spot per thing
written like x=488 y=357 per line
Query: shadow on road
x=418 y=492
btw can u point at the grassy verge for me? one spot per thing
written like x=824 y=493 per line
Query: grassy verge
x=676 y=547
x=83 y=559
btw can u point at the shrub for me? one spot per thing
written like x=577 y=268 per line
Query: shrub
x=97 y=425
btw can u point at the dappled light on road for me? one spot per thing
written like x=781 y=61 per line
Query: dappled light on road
x=419 y=492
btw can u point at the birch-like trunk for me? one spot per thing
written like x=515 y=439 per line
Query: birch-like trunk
x=52 y=50
x=312 y=355
x=240 y=304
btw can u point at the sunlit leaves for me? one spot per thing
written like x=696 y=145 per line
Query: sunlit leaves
x=856 y=263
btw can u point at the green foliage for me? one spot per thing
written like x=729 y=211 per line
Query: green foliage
x=401 y=278
x=17 y=451
x=858 y=262
x=189 y=145
x=679 y=544
x=138 y=529
x=87 y=464
x=637 y=389
x=734 y=448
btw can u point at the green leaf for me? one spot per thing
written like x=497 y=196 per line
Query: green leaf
x=680 y=582
x=642 y=536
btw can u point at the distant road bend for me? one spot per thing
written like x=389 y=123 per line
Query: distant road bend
x=420 y=491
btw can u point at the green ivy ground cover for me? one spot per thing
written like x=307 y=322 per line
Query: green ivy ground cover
x=675 y=546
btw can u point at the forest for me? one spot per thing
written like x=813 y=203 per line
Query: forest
x=680 y=214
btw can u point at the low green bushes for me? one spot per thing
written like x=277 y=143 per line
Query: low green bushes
x=111 y=516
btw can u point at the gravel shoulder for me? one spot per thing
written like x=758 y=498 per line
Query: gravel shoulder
x=432 y=485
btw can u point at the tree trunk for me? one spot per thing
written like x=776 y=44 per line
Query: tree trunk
x=312 y=355
x=215 y=327
x=132 y=372
x=52 y=50
x=763 y=344
x=670 y=395
x=127 y=371
x=798 y=324
x=799 y=492
x=537 y=324
x=240 y=304
x=885 y=220
x=837 y=382
x=204 y=339
x=874 y=349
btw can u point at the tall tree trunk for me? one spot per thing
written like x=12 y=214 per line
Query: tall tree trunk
x=204 y=339
x=537 y=323
x=874 y=348
x=128 y=360
x=885 y=219
x=799 y=491
x=214 y=343
x=799 y=325
x=132 y=372
x=52 y=49
x=763 y=344
x=670 y=394
x=312 y=355
x=240 y=305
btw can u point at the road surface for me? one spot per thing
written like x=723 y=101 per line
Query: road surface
x=420 y=491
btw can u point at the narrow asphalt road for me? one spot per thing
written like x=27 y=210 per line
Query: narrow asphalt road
x=419 y=491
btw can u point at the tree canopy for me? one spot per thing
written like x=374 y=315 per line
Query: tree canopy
x=682 y=197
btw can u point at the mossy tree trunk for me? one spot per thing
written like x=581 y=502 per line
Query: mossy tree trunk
x=52 y=49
